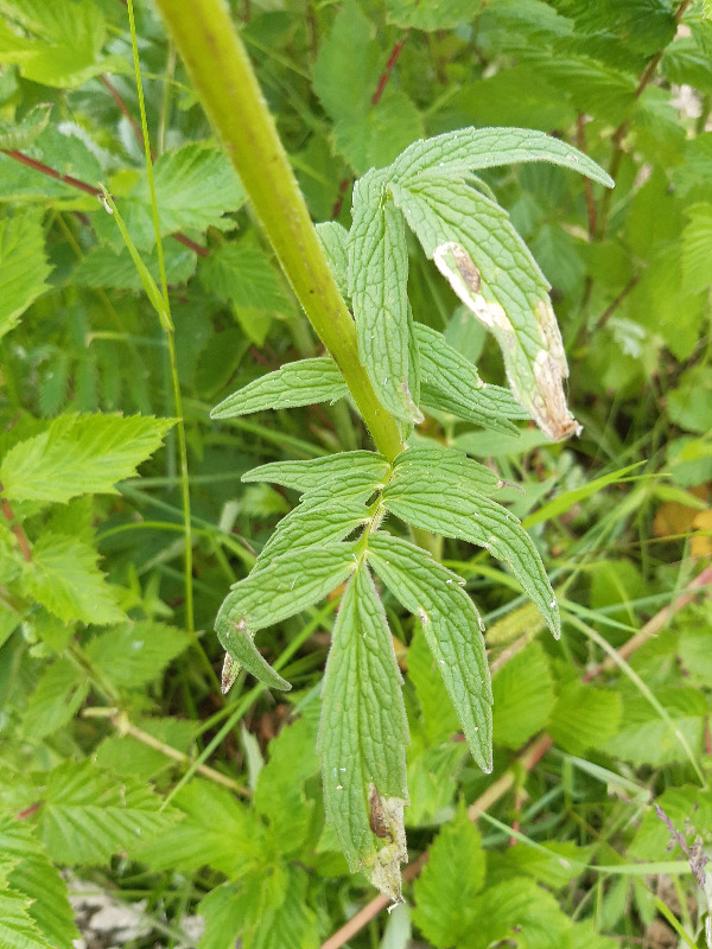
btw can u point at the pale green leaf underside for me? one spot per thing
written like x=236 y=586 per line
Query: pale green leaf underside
x=80 y=454
x=334 y=239
x=456 y=153
x=417 y=463
x=312 y=523
x=305 y=382
x=378 y=277
x=363 y=729
x=23 y=266
x=449 y=504
x=449 y=382
x=318 y=473
x=286 y=585
x=452 y=629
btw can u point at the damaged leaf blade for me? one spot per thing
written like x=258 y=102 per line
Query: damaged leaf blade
x=363 y=732
x=378 y=277
x=478 y=251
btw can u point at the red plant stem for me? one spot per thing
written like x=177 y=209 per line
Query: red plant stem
x=386 y=74
x=526 y=761
x=587 y=185
x=383 y=81
x=123 y=108
x=29 y=811
x=187 y=242
x=53 y=173
x=339 y=202
x=16 y=527
x=88 y=189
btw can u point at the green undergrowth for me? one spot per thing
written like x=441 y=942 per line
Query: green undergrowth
x=253 y=668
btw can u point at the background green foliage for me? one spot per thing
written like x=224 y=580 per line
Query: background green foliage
x=122 y=764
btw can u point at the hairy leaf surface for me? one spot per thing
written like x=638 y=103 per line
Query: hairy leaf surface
x=378 y=276
x=448 y=504
x=466 y=150
x=319 y=473
x=362 y=736
x=452 y=629
x=284 y=586
x=305 y=382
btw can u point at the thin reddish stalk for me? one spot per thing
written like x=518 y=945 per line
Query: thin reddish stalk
x=73 y=182
x=123 y=108
x=383 y=81
x=16 y=527
x=527 y=760
x=388 y=69
x=587 y=184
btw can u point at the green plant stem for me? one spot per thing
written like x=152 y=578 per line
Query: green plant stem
x=170 y=339
x=227 y=86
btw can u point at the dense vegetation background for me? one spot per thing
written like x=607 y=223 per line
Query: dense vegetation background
x=127 y=780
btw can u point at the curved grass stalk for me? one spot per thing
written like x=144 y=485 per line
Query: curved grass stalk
x=167 y=324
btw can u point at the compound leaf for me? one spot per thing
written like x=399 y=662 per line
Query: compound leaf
x=33 y=878
x=87 y=815
x=23 y=266
x=335 y=239
x=63 y=576
x=523 y=695
x=22 y=132
x=453 y=875
x=57 y=44
x=316 y=473
x=80 y=454
x=286 y=585
x=216 y=831
x=58 y=695
x=449 y=382
x=134 y=654
x=316 y=521
x=196 y=186
x=241 y=273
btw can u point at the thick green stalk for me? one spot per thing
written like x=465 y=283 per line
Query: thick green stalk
x=225 y=81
